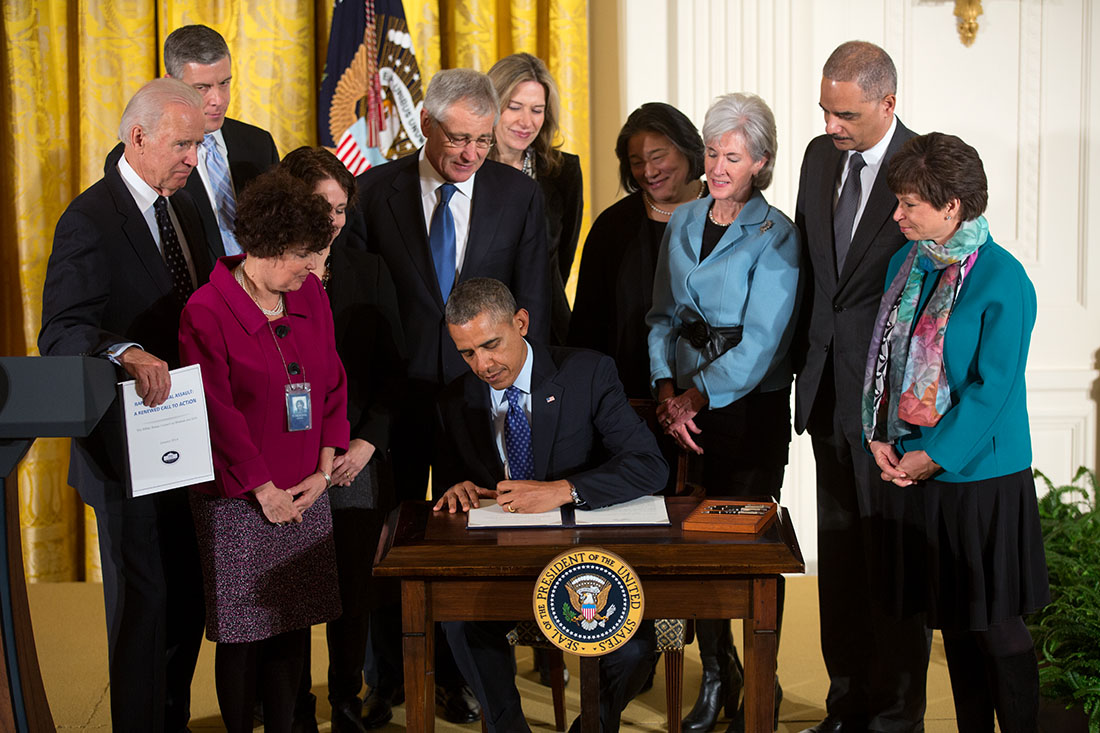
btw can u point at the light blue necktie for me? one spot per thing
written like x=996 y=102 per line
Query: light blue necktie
x=442 y=241
x=517 y=438
x=226 y=202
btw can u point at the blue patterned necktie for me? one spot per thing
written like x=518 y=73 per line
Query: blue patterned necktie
x=517 y=438
x=173 y=252
x=442 y=241
x=225 y=200
x=844 y=217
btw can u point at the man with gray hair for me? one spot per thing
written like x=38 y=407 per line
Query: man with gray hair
x=232 y=152
x=439 y=218
x=535 y=428
x=876 y=665
x=127 y=254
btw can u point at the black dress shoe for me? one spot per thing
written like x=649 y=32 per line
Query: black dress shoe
x=347 y=716
x=377 y=709
x=829 y=725
x=457 y=705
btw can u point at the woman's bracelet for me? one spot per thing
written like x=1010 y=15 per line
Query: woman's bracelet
x=328 y=479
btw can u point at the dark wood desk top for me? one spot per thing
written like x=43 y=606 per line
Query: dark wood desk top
x=418 y=542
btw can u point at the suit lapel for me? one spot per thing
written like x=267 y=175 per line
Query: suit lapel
x=546 y=399
x=193 y=232
x=408 y=216
x=478 y=416
x=825 y=257
x=876 y=214
x=484 y=217
x=137 y=231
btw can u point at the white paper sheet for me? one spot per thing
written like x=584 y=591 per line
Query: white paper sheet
x=168 y=446
x=645 y=510
x=492 y=516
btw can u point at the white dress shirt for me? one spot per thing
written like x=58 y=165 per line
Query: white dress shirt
x=460 y=205
x=145 y=197
x=219 y=142
x=873 y=158
x=500 y=406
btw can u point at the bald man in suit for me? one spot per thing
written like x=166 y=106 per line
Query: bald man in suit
x=876 y=666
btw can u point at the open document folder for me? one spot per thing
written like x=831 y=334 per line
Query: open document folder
x=645 y=510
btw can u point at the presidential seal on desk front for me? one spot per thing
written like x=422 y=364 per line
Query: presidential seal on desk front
x=588 y=602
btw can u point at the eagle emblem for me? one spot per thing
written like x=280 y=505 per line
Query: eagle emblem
x=587 y=599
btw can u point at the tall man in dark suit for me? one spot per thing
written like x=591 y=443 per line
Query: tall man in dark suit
x=438 y=218
x=876 y=666
x=537 y=428
x=127 y=253
x=233 y=152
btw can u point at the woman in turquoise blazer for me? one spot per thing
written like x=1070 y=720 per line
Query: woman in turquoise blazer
x=720 y=327
x=945 y=415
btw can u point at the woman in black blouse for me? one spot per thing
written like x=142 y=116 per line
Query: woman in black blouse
x=660 y=163
x=526 y=139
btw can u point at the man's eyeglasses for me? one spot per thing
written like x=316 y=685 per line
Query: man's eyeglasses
x=461 y=141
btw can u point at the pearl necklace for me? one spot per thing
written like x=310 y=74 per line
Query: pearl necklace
x=649 y=201
x=276 y=311
x=715 y=222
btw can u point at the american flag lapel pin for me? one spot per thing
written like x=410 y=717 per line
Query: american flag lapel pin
x=549 y=399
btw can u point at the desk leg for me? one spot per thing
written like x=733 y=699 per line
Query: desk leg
x=590 y=695
x=418 y=642
x=760 y=650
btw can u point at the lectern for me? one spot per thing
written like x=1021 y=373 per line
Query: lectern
x=54 y=396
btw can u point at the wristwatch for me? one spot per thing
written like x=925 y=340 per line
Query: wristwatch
x=577 y=500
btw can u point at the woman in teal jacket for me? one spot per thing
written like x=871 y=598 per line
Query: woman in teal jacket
x=945 y=415
x=724 y=297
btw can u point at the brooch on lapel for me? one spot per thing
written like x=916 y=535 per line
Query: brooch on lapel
x=766 y=226
x=549 y=399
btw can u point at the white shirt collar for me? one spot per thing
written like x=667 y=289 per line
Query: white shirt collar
x=430 y=179
x=872 y=156
x=523 y=379
x=143 y=193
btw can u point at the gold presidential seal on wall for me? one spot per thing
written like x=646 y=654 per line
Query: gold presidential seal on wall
x=588 y=601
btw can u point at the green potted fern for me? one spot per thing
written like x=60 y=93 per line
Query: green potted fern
x=1067 y=632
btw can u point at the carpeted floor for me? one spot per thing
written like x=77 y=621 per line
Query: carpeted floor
x=72 y=648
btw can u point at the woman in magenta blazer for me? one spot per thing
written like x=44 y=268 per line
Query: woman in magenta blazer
x=262 y=331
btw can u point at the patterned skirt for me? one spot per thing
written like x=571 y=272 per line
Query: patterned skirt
x=261 y=579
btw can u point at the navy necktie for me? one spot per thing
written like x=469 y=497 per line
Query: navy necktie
x=844 y=218
x=173 y=252
x=517 y=438
x=442 y=241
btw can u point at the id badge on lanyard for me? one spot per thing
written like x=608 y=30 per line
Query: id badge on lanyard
x=299 y=415
x=299 y=405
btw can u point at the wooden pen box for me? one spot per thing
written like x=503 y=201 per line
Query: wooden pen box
x=728 y=515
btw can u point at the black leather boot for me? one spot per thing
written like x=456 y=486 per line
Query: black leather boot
x=722 y=676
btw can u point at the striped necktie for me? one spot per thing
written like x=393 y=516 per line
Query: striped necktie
x=225 y=201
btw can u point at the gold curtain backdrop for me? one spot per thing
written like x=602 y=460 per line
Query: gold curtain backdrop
x=67 y=70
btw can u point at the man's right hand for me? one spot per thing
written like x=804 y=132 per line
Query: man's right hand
x=154 y=383
x=463 y=497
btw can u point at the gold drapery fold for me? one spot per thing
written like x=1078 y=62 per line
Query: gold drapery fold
x=67 y=70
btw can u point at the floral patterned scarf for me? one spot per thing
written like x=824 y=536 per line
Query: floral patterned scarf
x=907 y=350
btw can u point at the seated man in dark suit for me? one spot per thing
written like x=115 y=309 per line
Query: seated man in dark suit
x=127 y=253
x=232 y=152
x=537 y=428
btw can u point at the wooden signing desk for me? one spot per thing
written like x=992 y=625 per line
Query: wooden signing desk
x=449 y=573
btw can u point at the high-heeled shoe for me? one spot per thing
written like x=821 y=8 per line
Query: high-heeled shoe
x=737 y=724
x=720 y=688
